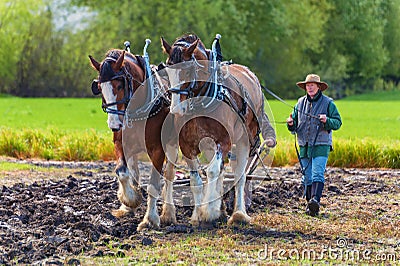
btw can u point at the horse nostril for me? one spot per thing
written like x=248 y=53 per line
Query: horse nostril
x=115 y=129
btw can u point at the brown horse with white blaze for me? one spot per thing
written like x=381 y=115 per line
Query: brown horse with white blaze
x=121 y=78
x=228 y=114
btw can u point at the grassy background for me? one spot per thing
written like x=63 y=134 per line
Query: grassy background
x=369 y=136
x=61 y=129
x=44 y=113
x=371 y=116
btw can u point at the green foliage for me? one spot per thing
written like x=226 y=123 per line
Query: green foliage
x=56 y=144
x=392 y=38
x=351 y=44
x=12 y=146
x=15 y=31
x=361 y=153
x=286 y=32
x=354 y=53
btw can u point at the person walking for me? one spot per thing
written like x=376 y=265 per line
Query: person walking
x=314 y=117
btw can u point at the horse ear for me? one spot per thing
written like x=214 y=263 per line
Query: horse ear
x=189 y=51
x=166 y=46
x=94 y=63
x=118 y=64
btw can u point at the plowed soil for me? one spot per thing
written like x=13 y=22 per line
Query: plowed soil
x=55 y=214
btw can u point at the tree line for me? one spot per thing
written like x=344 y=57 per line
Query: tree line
x=351 y=44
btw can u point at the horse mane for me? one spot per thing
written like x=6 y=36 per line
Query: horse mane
x=183 y=42
x=116 y=53
x=189 y=39
x=113 y=53
x=106 y=71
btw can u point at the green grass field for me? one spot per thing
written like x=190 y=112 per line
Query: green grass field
x=364 y=116
x=43 y=113
x=369 y=134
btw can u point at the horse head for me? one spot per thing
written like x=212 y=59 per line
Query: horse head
x=186 y=57
x=117 y=73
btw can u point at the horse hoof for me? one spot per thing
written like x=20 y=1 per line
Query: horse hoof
x=119 y=213
x=147 y=225
x=167 y=220
x=122 y=211
x=168 y=216
x=195 y=220
x=130 y=197
x=239 y=218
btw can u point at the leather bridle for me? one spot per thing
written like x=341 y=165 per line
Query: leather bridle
x=127 y=78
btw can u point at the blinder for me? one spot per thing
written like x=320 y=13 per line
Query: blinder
x=95 y=87
x=95 y=83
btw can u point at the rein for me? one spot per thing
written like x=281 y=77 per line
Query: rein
x=286 y=103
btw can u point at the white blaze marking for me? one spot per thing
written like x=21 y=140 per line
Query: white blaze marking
x=107 y=90
x=177 y=107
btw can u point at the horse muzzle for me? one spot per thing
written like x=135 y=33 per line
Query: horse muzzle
x=114 y=123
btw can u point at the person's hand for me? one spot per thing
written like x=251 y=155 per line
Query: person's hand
x=270 y=142
x=289 y=121
x=322 y=118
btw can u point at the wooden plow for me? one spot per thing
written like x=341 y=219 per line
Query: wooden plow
x=182 y=179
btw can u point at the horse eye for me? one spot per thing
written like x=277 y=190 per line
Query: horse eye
x=119 y=87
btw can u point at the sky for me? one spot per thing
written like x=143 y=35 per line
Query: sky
x=69 y=17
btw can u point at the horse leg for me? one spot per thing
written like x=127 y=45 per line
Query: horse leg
x=151 y=218
x=168 y=214
x=128 y=192
x=211 y=208
x=239 y=215
x=196 y=186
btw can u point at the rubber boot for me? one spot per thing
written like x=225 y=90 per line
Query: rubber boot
x=308 y=193
x=308 y=197
x=316 y=193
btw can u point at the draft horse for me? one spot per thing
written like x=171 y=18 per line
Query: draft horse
x=235 y=106
x=121 y=78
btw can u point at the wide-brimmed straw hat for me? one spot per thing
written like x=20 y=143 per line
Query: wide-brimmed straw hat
x=312 y=78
